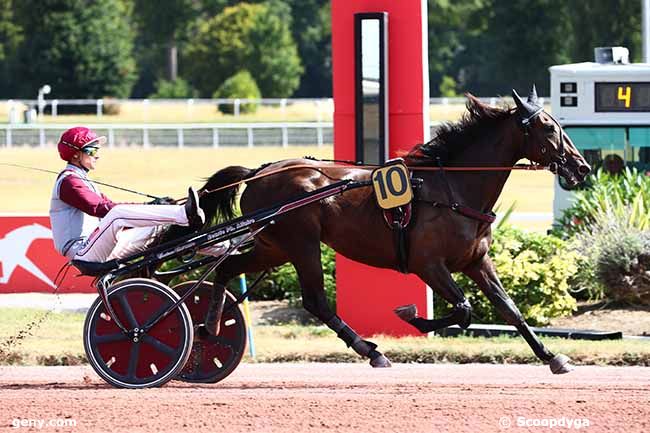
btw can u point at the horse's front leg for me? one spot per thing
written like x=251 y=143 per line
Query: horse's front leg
x=438 y=277
x=484 y=274
x=310 y=274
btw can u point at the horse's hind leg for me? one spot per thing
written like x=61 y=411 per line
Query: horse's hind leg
x=256 y=260
x=307 y=263
x=484 y=274
x=438 y=277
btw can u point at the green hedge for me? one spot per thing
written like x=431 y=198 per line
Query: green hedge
x=534 y=269
x=241 y=85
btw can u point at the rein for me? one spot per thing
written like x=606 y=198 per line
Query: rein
x=351 y=164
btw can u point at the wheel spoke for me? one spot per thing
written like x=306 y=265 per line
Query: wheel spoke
x=159 y=345
x=133 y=361
x=127 y=310
x=110 y=338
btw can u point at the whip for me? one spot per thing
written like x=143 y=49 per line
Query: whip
x=90 y=180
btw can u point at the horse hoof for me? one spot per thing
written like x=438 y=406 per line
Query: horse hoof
x=561 y=364
x=380 y=362
x=407 y=312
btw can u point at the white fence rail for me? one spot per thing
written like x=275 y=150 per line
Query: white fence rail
x=321 y=109
x=179 y=135
x=182 y=135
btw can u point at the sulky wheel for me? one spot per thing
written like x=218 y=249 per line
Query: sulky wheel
x=144 y=359
x=213 y=358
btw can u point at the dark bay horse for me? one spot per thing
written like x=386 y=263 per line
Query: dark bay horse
x=442 y=239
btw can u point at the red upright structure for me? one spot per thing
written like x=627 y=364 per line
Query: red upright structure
x=366 y=296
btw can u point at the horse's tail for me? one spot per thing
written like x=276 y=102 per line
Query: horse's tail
x=221 y=203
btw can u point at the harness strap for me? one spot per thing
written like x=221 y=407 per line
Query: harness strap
x=457 y=207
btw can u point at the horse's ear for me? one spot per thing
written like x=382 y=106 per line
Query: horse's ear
x=518 y=102
x=532 y=96
x=526 y=110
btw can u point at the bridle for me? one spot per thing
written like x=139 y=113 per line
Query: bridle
x=558 y=160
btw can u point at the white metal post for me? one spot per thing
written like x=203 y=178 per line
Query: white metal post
x=215 y=137
x=145 y=137
x=285 y=136
x=55 y=107
x=250 y=136
x=181 y=144
x=100 y=105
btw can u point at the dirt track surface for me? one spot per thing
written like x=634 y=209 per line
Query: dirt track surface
x=338 y=398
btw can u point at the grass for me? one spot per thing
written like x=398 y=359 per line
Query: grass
x=169 y=172
x=58 y=341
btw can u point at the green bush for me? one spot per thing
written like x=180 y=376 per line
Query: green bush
x=615 y=260
x=534 y=270
x=282 y=283
x=608 y=193
x=178 y=88
x=241 y=85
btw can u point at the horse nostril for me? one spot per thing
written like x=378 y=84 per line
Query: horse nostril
x=584 y=170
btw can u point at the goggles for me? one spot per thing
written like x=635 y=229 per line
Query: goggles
x=90 y=151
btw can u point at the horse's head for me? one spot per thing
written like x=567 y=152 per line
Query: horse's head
x=546 y=143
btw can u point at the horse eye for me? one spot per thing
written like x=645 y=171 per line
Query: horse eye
x=549 y=128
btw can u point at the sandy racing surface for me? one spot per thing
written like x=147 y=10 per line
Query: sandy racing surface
x=339 y=398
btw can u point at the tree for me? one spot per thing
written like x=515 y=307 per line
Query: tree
x=522 y=38
x=599 y=23
x=164 y=23
x=10 y=32
x=255 y=37
x=450 y=24
x=82 y=48
x=312 y=31
x=10 y=37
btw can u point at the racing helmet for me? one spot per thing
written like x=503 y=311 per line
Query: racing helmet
x=75 y=139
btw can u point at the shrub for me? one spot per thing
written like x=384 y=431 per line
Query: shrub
x=534 y=270
x=241 y=85
x=178 y=88
x=283 y=282
x=615 y=256
x=607 y=192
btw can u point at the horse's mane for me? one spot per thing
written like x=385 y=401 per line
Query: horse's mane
x=453 y=137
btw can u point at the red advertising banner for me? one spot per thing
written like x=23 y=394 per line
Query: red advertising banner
x=28 y=260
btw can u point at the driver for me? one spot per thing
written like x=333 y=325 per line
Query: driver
x=87 y=225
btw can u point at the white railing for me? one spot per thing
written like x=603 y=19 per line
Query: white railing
x=179 y=135
x=320 y=109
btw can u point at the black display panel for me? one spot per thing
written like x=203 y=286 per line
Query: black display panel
x=622 y=97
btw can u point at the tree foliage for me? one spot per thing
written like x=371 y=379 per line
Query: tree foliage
x=241 y=85
x=256 y=36
x=519 y=41
x=82 y=48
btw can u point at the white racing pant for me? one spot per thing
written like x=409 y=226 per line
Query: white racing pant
x=128 y=229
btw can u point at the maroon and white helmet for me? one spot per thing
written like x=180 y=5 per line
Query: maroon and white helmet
x=75 y=139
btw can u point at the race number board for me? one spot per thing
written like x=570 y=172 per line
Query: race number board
x=392 y=186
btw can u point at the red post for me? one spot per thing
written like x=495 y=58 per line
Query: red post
x=366 y=296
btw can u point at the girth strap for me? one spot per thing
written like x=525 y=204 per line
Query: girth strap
x=398 y=220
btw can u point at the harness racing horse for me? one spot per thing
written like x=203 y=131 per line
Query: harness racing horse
x=450 y=231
